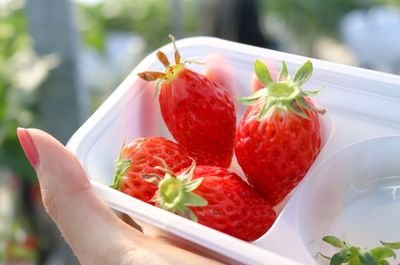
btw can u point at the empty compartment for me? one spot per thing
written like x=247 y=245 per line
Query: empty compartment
x=354 y=195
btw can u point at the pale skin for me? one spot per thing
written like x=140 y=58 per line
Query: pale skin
x=91 y=228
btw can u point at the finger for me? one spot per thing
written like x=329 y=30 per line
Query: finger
x=89 y=226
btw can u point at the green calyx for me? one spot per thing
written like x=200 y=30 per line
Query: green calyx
x=171 y=70
x=175 y=193
x=121 y=167
x=284 y=94
x=21 y=253
x=352 y=255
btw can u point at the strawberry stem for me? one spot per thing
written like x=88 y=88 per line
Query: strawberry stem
x=151 y=76
x=284 y=94
x=121 y=166
x=284 y=74
x=171 y=70
x=176 y=54
x=175 y=193
x=163 y=58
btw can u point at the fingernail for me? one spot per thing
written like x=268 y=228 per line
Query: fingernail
x=29 y=146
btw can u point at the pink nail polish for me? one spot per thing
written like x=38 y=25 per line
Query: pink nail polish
x=29 y=146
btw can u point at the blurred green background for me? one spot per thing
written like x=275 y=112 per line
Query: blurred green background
x=60 y=59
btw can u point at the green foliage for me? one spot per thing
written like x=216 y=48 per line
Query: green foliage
x=151 y=19
x=16 y=245
x=21 y=72
x=12 y=39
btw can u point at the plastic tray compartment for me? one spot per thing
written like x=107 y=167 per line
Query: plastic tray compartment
x=361 y=104
x=355 y=195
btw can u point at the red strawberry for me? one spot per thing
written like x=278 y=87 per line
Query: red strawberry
x=198 y=112
x=279 y=136
x=217 y=198
x=142 y=156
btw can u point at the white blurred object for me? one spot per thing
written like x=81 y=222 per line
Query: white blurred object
x=101 y=72
x=124 y=50
x=329 y=49
x=374 y=36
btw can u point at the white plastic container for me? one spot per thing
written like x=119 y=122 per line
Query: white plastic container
x=361 y=104
x=361 y=202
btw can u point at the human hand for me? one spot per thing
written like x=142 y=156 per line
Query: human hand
x=94 y=232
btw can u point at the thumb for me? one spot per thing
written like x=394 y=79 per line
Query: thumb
x=93 y=231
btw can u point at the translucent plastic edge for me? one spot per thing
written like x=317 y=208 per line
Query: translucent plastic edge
x=226 y=245
x=318 y=63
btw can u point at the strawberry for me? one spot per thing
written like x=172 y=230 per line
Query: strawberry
x=198 y=112
x=142 y=157
x=279 y=136
x=217 y=198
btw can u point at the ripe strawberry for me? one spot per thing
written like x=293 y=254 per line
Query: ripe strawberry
x=142 y=157
x=279 y=136
x=197 y=111
x=217 y=198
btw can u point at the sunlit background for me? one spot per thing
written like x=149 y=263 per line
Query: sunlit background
x=59 y=60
